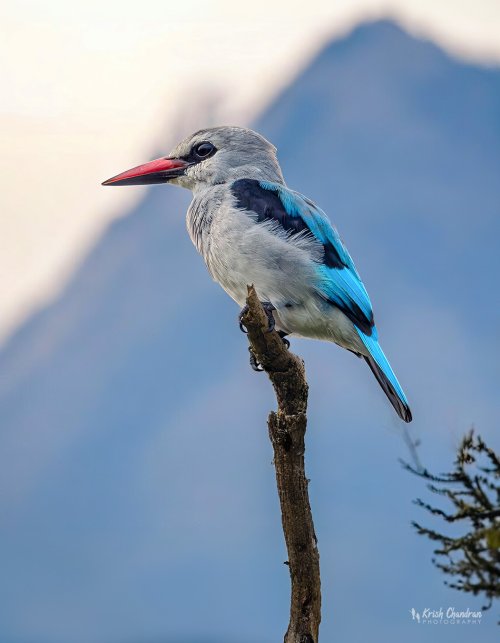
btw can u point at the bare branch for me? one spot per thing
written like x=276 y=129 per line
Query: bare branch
x=287 y=429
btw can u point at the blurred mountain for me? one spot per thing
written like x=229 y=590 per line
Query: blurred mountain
x=137 y=496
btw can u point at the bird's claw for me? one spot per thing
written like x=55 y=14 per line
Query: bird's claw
x=256 y=365
x=243 y=311
x=268 y=309
x=253 y=361
x=285 y=341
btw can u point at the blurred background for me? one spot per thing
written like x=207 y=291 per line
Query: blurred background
x=137 y=493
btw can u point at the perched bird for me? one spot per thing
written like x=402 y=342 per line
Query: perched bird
x=250 y=228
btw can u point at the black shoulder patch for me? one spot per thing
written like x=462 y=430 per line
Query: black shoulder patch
x=267 y=205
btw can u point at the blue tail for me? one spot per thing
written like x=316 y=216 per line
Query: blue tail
x=382 y=370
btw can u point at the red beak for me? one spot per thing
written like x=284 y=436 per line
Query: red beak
x=158 y=171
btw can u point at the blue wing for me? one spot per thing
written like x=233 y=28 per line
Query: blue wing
x=338 y=279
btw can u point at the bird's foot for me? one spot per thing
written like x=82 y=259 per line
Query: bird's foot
x=268 y=309
x=284 y=339
x=253 y=361
x=243 y=311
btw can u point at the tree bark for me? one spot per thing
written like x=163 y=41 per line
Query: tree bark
x=287 y=429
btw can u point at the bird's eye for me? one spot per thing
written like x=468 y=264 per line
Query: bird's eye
x=204 y=150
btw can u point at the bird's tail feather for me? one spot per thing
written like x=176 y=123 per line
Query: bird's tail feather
x=382 y=370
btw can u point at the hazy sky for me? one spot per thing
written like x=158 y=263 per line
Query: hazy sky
x=89 y=87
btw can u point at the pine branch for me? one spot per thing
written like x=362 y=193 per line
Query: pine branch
x=472 y=491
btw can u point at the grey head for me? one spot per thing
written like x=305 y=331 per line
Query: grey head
x=209 y=157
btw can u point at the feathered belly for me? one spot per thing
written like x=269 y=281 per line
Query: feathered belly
x=300 y=310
